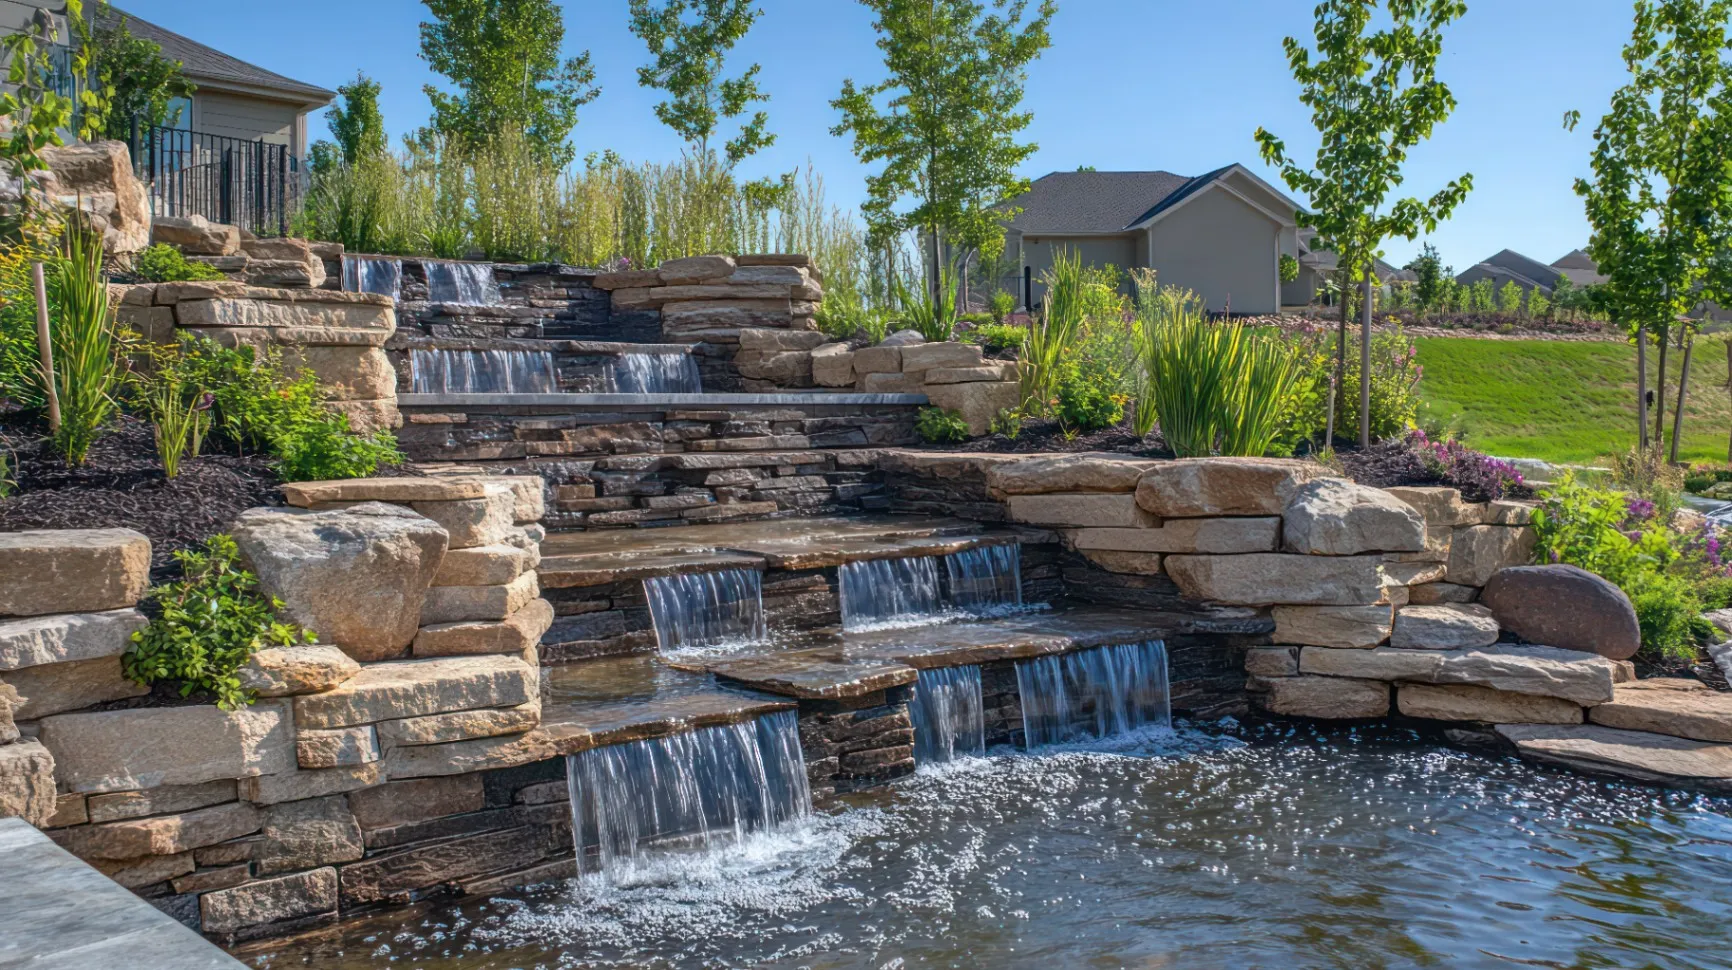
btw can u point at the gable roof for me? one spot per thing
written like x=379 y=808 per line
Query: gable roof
x=1109 y=202
x=1524 y=270
x=202 y=63
x=1577 y=259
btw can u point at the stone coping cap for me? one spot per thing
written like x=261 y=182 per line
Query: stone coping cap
x=649 y=401
x=403 y=340
x=431 y=489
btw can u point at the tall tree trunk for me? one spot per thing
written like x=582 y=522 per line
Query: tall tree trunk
x=1642 y=387
x=1340 y=361
x=1660 y=397
x=1683 y=388
x=1365 y=363
x=937 y=274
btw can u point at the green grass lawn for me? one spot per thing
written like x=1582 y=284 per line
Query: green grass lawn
x=1563 y=401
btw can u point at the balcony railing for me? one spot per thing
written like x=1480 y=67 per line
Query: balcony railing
x=252 y=184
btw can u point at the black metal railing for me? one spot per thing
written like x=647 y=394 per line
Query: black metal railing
x=252 y=184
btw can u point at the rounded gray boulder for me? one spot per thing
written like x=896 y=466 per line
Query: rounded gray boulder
x=1564 y=606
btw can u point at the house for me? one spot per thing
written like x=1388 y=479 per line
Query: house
x=1221 y=234
x=1510 y=266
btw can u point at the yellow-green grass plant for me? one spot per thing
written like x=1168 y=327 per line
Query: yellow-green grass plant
x=178 y=408
x=1053 y=332
x=86 y=347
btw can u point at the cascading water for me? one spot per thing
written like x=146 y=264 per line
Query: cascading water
x=371 y=274
x=1094 y=693
x=707 y=609
x=948 y=714
x=985 y=578
x=712 y=786
x=887 y=590
x=483 y=372
x=657 y=374
x=472 y=284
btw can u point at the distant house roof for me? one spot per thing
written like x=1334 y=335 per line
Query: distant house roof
x=1104 y=202
x=1524 y=270
x=1580 y=268
x=207 y=64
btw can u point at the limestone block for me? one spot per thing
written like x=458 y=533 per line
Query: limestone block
x=305 y=834
x=300 y=784
x=1509 y=513
x=1636 y=755
x=1211 y=536
x=57 y=688
x=833 y=366
x=786 y=368
x=27 y=782
x=1198 y=487
x=229 y=911
x=1336 y=517
x=1544 y=671
x=347 y=373
x=1674 y=706
x=1087 y=472
x=700 y=316
x=1447 y=626
x=287 y=671
x=412 y=688
x=66 y=637
x=1563 y=606
x=1272 y=662
x=785 y=275
x=461 y=604
x=1327 y=698
x=369 y=417
x=216 y=312
x=966 y=375
x=1333 y=626
x=627 y=279
x=1131 y=563
x=357 y=576
x=882 y=359
x=196 y=236
x=147 y=871
x=337 y=748
x=484 y=521
x=774 y=340
x=924 y=357
x=305 y=273
x=171 y=294
x=431 y=489
x=712 y=291
x=1077 y=509
x=403 y=802
x=511 y=636
x=1464 y=703
x=97 y=177
x=461 y=725
x=154 y=323
x=166 y=800
x=463 y=757
x=890 y=384
x=494 y=565
x=72 y=570
x=1477 y=552
x=160 y=834
x=1431 y=594
x=980 y=404
x=149 y=747
x=1267 y=579
x=1442 y=508
x=695 y=269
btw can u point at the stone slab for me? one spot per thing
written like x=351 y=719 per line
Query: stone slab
x=415 y=688
x=1545 y=671
x=1222 y=536
x=1267 y=579
x=1674 y=706
x=1447 y=626
x=1327 y=698
x=1458 y=702
x=72 y=570
x=1080 y=509
x=1333 y=626
x=150 y=747
x=66 y=637
x=1634 y=755
x=1199 y=487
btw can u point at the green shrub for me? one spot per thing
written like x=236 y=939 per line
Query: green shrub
x=1007 y=422
x=1001 y=304
x=935 y=318
x=176 y=405
x=998 y=336
x=163 y=263
x=940 y=425
x=211 y=622
x=1395 y=376
x=1087 y=406
x=1053 y=333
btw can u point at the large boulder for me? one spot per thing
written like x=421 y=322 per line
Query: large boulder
x=1193 y=487
x=1564 y=606
x=72 y=570
x=98 y=178
x=358 y=577
x=1336 y=517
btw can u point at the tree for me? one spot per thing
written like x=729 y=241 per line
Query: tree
x=689 y=53
x=503 y=56
x=144 y=85
x=945 y=122
x=1428 y=266
x=1373 y=96
x=1660 y=178
x=357 y=125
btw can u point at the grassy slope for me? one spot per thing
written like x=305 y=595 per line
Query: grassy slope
x=1563 y=401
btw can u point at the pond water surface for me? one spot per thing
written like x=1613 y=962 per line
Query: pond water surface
x=1210 y=847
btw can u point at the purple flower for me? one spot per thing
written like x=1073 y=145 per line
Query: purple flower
x=1639 y=509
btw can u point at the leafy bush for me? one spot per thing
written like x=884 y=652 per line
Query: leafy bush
x=163 y=263
x=211 y=621
x=1700 y=478
x=1395 y=377
x=1007 y=422
x=1001 y=304
x=1087 y=406
x=998 y=336
x=940 y=425
x=1480 y=477
x=1053 y=333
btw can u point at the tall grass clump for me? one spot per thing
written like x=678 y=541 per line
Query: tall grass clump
x=87 y=364
x=1054 y=332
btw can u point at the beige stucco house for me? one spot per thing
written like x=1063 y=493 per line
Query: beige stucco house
x=1221 y=234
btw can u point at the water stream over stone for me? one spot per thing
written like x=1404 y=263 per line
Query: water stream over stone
x=880 y=591
x=1093 y=694
x=696 y=610
x=372 y=274
x=704 y=789
x=483 y=372
x=985 y=578
x=657 y=374
x=948 y=714
x=472 y=284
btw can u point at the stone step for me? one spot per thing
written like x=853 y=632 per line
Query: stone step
x=1674 y=706
x=1584 y=678
x=1633 y=755
x=621 y=699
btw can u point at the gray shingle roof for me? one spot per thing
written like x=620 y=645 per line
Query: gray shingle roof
x=198 y=61
x=1530 y=270
x=1102 y=201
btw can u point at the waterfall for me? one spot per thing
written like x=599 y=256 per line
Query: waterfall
x=657 y=374
x=706 y=609
x=884 y=590
x=1094 y=693
x=372 y=274
x=467 y=283
x=948 y=714
x=712 y=787
x=483 y=372
x=985 y=578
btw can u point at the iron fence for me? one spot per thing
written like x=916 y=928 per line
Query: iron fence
x=252 y=184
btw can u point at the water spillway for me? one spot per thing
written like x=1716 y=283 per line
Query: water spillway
x=1096 y=693
x=949 y=715
x=483 y=372
x=985 y=578
x=471 y=284
x=656 y=374
x=706 y=609
x=711 y=787
x=373 y=274
x=888 y=590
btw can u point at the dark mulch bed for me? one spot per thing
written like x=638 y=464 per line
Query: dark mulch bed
x=1047 y=436
x=123 y=485
x=1393 y=463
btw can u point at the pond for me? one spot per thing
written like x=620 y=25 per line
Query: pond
x=1213 y=846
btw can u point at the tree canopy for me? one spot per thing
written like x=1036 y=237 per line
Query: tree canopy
x=689 y=41
x=143 y=84
x=355 y=123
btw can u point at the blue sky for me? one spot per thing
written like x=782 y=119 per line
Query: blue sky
x=1128 y=84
